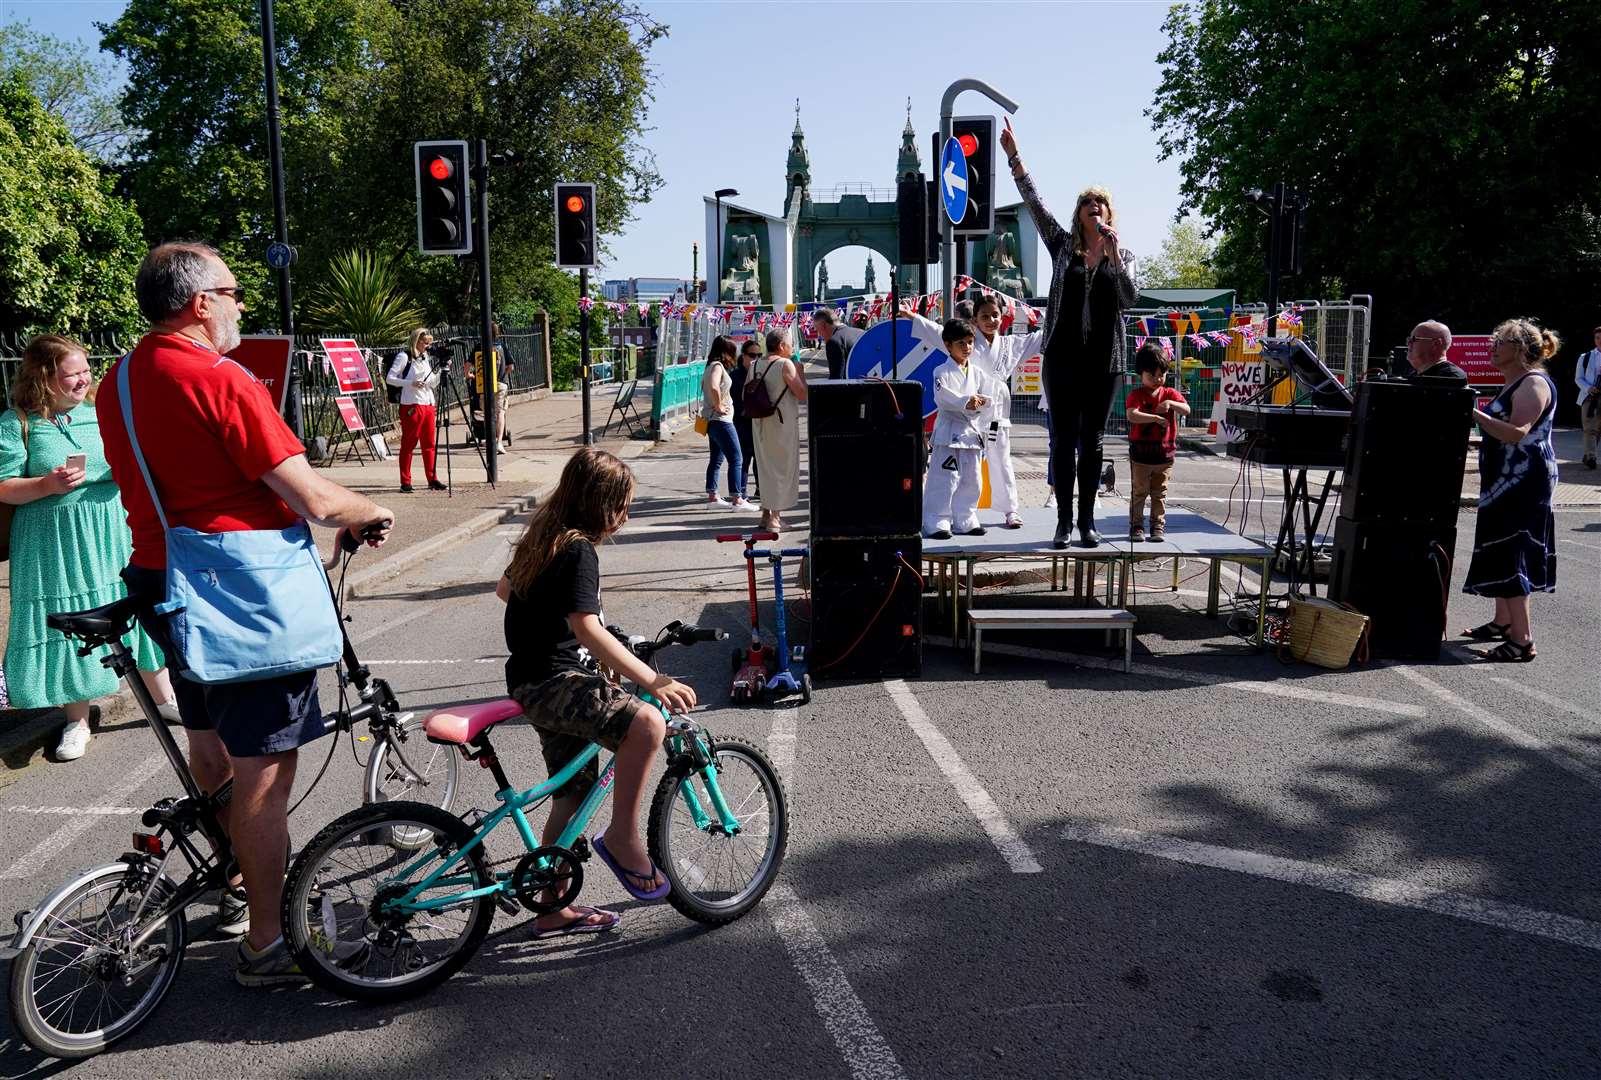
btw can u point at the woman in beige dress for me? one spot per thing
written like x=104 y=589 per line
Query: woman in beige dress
x=777 y=437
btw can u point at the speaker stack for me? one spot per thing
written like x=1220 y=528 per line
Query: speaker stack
x=866 y=450
x=1395 y=538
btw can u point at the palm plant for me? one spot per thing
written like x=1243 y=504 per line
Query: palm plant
x=363 y=297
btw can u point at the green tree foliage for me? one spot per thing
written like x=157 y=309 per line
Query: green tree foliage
x=68 y=246
x=70 y=84
x=562 y=83
x=1185 y=261
x=1449 y=149
x=362 y=295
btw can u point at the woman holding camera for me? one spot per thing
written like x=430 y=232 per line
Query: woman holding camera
x=416 y=378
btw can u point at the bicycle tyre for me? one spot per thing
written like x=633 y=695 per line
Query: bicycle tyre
x=29 y=1019
x=686 y=872
x=356 y=829
x=378 y=788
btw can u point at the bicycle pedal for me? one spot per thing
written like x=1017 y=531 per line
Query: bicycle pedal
x=507 y=903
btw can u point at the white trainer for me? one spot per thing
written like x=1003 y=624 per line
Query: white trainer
x=717 y=502
x=74 y=741
x=1050 y=501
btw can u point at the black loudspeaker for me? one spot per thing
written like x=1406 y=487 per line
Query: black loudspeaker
x=867 y=607
x=1400 y=577
x=911 y=229
x=1408 y=448
x=866 y=454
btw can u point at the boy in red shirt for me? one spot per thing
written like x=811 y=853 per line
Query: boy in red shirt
x=1154 y=409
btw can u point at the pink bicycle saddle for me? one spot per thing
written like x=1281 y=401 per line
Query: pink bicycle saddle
x=463 y=723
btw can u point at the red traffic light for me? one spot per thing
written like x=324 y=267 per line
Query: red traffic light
x=440 y=168
x=969 y=143
x=575 y=204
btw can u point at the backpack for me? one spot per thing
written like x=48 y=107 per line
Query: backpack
x=391 y=391
x=756 y=400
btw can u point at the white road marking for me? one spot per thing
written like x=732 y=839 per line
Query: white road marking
x=458 y=660
x=1502 y=916
x=75 y=811
x=1322 y=697
x=1001 y=834
x=1575 y=543
x=861 y=1045
x=51 y=846
x=1529 y=691
x=1555 y=755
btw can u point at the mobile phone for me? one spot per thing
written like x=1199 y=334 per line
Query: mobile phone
x=77 y=461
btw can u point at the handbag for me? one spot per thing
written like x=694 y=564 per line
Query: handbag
x=758 y=405
x=391 y=391
x=8 y=511
x=702 y=425
x=246 y=605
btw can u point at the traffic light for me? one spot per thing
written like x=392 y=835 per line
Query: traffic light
x=444 y=206
x=575 y=226
x=976 y=134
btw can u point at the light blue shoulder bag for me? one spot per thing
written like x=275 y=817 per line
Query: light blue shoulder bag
x=242 y=605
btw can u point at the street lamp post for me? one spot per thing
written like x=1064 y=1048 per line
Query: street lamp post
x=717 y=223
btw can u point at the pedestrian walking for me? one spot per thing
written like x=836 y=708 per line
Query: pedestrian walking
x=69 y=542
x=772 y=399
x=1587 y=374
x=412 y=372
x=1514 y=535
x=1092 y=281
x=212 y=444
x=722 y=440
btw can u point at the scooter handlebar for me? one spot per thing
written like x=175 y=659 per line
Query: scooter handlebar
x=738 y=538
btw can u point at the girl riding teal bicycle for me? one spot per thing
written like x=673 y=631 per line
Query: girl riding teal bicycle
x=556 y=634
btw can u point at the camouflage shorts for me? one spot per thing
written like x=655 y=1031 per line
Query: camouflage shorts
x=570 y=711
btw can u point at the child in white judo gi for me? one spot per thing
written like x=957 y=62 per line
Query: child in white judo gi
x=965 y=395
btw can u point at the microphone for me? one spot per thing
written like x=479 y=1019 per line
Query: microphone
x=1103 y=227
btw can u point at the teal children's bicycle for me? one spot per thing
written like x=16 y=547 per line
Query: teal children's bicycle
x=373 y=923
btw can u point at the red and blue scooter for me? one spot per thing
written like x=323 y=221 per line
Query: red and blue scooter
x=763 y=672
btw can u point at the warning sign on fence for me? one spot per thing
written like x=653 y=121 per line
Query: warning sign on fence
x=1241 y=379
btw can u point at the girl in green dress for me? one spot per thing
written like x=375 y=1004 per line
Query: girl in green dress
x=69 y=540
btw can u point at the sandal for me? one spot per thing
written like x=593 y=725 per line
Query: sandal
x=1510 y=652
x=581 y=925
x=645 y=889
x=1490 y=631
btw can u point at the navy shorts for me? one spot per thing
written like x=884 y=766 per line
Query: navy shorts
x=267 y=716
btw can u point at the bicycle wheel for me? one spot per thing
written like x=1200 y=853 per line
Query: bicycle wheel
x=409 y=767
x=339 y=912
x=68 y=995
x=717 y=877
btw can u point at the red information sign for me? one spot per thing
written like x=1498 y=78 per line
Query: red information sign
x=350 y=414
x=266 y=356
x=350 y=365
x=1471 y=353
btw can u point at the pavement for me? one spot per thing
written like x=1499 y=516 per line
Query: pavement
x=1218 y=865
x=546 y=427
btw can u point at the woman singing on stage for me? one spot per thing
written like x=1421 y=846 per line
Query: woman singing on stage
x=1092 y=281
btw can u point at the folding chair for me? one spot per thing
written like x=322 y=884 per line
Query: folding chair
x=624 y=404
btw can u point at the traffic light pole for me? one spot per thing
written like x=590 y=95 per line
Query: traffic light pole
x=947 y=231
x=489 y=372
x=583 y=348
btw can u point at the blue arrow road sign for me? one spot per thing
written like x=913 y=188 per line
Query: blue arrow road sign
x=953 y=181
x=921 y=351
x=279 y=255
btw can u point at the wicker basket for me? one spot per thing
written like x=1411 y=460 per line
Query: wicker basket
x=1327 y=634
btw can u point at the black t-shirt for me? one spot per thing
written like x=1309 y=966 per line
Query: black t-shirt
x=537 y=634
x=1442 y=371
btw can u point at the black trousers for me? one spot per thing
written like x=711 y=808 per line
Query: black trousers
x=1081 y=402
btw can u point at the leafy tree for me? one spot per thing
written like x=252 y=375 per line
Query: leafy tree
x=1448 y=149
x=69 y=247
x=70 y=84
x=562 y=84
x=1185 y=261
x=362 y=295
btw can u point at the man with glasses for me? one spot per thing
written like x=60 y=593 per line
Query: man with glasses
x=223 y=460
x=1425 y=350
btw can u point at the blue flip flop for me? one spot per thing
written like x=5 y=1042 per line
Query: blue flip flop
x=623 y=874
x=581 y=925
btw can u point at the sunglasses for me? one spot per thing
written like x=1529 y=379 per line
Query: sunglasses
x=235 y=292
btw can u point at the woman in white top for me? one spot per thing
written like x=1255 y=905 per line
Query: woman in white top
x=411 y=371
x=718 y=409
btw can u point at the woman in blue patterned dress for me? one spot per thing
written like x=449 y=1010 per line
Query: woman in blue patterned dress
x=1514 y=540
x=69 y=541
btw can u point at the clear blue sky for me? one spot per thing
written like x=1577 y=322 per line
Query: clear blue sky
x=729 y=72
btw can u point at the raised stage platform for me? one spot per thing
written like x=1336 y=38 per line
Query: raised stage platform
x=1187 y=535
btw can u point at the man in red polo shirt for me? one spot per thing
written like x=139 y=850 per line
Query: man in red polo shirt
x=222 y=460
